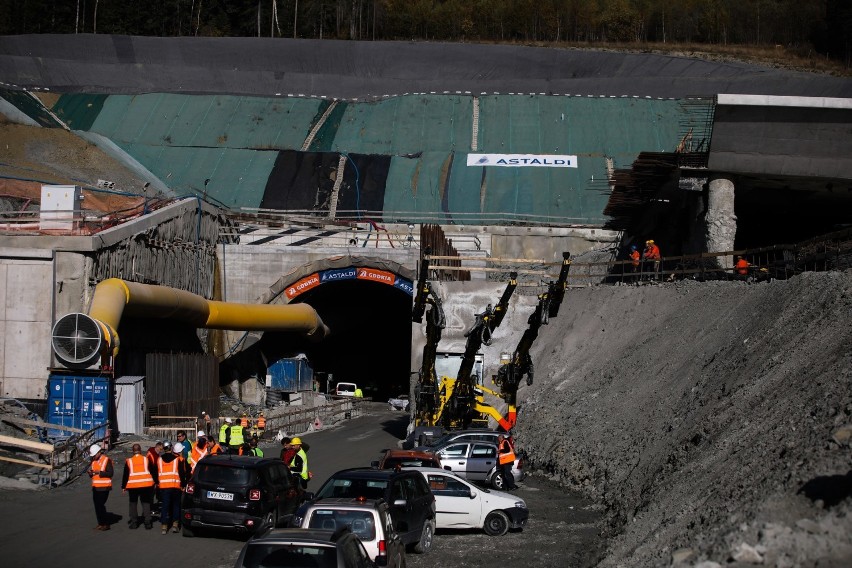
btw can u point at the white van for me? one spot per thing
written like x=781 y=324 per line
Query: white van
x=345 y=389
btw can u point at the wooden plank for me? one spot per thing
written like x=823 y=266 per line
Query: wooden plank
x=27 y=462
x=23 y=422
x=496 y=259
x=38 y=447
x=484 y=269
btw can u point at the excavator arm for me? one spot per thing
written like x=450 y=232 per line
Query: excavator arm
x=460 y=409
x=510 y=374
x=428 y=395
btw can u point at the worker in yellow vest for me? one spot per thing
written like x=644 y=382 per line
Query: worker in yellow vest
x=299 y=465
x=101 y=472
x=237 y=437
x=138 y=482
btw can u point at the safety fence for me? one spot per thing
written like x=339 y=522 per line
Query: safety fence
x=827 y=252
x=291 y=419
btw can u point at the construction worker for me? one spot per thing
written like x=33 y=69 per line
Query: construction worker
x=651 y=256
x=506 y=457
x=635 y=256
x=138 y=481
x=154 y=453
x=358 y=393
x=261 y=425
x=199 y=451
x=244 y=420
x=225 y=433
x=299 y=465
x=172 y=475
x=742 y=268
x=255 y=450
x=185 y=444
x=214 y=447
x=101 y=472
x=237 y=437
x=288 y=452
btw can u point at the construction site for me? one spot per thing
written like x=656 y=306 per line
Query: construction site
x=230 y=226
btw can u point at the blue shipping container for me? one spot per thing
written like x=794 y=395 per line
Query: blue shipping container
x=291 y=375
x=78 y=402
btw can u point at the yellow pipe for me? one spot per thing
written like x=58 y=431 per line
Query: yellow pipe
x=115 y=297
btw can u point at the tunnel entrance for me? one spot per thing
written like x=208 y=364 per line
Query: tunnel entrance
x=366 y=303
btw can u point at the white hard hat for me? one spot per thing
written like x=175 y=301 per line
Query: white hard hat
x=178 y=448
x=201 y=434
x=94 y=449
x=228 y=420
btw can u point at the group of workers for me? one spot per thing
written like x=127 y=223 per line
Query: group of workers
x=646 y=265
x=163 y=472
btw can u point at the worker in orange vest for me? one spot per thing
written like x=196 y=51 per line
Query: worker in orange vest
x=635 y=257
x=651 y=255
x=261 y=425
x=200 y=450
x=214 y=447
x=101 y=472
x=172 y=475
x=506 y=457
x=244 y=421
x=138 y=481
x=742 y=267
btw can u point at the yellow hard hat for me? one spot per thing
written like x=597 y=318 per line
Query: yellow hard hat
x=296 y=441
x=651 y=242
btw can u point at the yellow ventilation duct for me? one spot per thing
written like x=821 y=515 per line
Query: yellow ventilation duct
x=79 y=340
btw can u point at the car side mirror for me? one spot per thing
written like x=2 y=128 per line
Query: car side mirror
x=472 y=494
x=448 y=468
x=374 y=464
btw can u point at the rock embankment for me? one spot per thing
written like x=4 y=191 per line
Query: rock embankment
x=712 y=419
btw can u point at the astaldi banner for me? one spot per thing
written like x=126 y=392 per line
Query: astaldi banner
x=338 y=274
x=405 y=285
x=522 y=160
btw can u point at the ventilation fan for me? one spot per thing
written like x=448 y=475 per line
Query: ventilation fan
x=78 y=341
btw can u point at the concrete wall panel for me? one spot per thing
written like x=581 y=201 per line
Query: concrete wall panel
x=28 y=295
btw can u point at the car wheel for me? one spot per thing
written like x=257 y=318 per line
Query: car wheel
x=424 y=545
x=498 y=482
x=187 y=532
x=270 y=522
x=496 y=523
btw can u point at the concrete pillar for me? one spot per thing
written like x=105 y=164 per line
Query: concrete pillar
x=720 y=222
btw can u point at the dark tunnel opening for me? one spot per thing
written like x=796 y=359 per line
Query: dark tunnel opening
x=784 y=215
x=370 y=340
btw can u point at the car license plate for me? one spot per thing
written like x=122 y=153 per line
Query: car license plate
x=220 y=495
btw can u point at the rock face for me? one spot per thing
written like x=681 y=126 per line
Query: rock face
x=703 y=416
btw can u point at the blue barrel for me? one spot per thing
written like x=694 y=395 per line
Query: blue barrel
x=291 y=375
x=79 y=402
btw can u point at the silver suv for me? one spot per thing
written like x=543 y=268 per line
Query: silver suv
x=368 y=519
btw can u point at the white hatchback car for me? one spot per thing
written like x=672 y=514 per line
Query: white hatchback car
x=369 y=519
x=461 y=505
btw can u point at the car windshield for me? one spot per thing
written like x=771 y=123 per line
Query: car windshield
x=225 y=475
x=353 y=488
x=269 y=555
x=359 y=522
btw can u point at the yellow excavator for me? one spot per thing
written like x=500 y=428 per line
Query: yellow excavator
x=445 y=403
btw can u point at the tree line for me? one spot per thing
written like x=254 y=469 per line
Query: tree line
x=825 y=25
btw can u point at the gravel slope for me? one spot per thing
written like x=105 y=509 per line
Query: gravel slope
x=711 y=419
